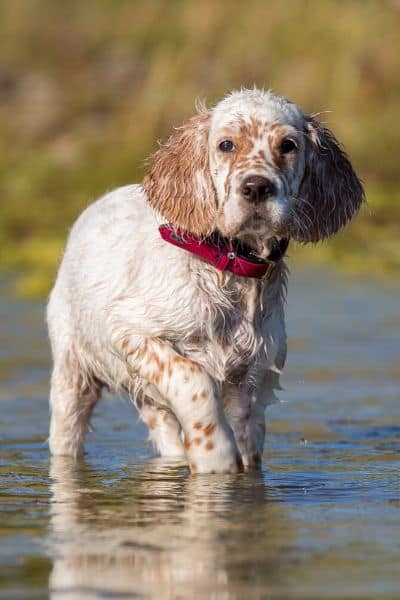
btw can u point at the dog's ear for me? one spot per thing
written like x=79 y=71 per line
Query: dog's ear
x=330 y=193
x=179 y=184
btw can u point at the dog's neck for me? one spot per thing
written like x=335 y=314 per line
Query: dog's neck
x=229 y=255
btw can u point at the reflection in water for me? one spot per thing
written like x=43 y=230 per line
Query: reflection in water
x=160 y=533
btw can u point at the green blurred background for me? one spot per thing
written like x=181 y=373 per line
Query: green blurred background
x=88 y=87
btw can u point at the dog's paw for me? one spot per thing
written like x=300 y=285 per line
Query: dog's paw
x=213 y=454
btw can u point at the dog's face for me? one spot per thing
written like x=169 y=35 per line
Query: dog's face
x=254 y=167
x=257 y=158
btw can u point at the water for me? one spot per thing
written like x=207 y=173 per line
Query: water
x=322 y=519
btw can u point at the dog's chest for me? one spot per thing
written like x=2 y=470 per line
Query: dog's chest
x=226 y=333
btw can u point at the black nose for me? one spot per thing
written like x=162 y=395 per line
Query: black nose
x=257 y=188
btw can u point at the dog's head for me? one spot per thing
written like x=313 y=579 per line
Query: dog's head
x=254 y=167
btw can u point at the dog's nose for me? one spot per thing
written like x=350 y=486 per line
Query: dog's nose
x=257 y=188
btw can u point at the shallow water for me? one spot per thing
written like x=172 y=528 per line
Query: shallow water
x=322 y=519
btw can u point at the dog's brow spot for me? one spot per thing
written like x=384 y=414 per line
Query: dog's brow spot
x=194 y=398
x=197 y=425
x=208 y=429
x=203 y=394
x=262 y=155
x=152 y=423
x=186 y=444
x=197 y=441
x=209 y=445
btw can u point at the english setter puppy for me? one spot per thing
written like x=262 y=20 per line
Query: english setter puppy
x=173 y=290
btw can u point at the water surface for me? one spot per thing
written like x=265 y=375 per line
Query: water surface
x=322 y=519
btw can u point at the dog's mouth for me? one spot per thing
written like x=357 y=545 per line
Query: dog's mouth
x=260 y=224
x=255 y=225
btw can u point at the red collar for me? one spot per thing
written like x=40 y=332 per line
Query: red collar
x=227 y=255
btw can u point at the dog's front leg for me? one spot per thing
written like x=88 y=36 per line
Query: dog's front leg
x=246 y=419
x=194 y=399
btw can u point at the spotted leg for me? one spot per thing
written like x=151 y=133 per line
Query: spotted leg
x=192 y=396
x=164 y=429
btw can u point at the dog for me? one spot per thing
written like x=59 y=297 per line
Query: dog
x=173 y=290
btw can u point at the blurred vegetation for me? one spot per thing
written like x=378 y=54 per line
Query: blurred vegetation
x=87 y=89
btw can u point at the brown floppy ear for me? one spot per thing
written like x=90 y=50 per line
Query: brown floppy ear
x=330 y=193
x=179 y=184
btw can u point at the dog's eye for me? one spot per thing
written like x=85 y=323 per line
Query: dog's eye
x=226 y=146
x=287 y=146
